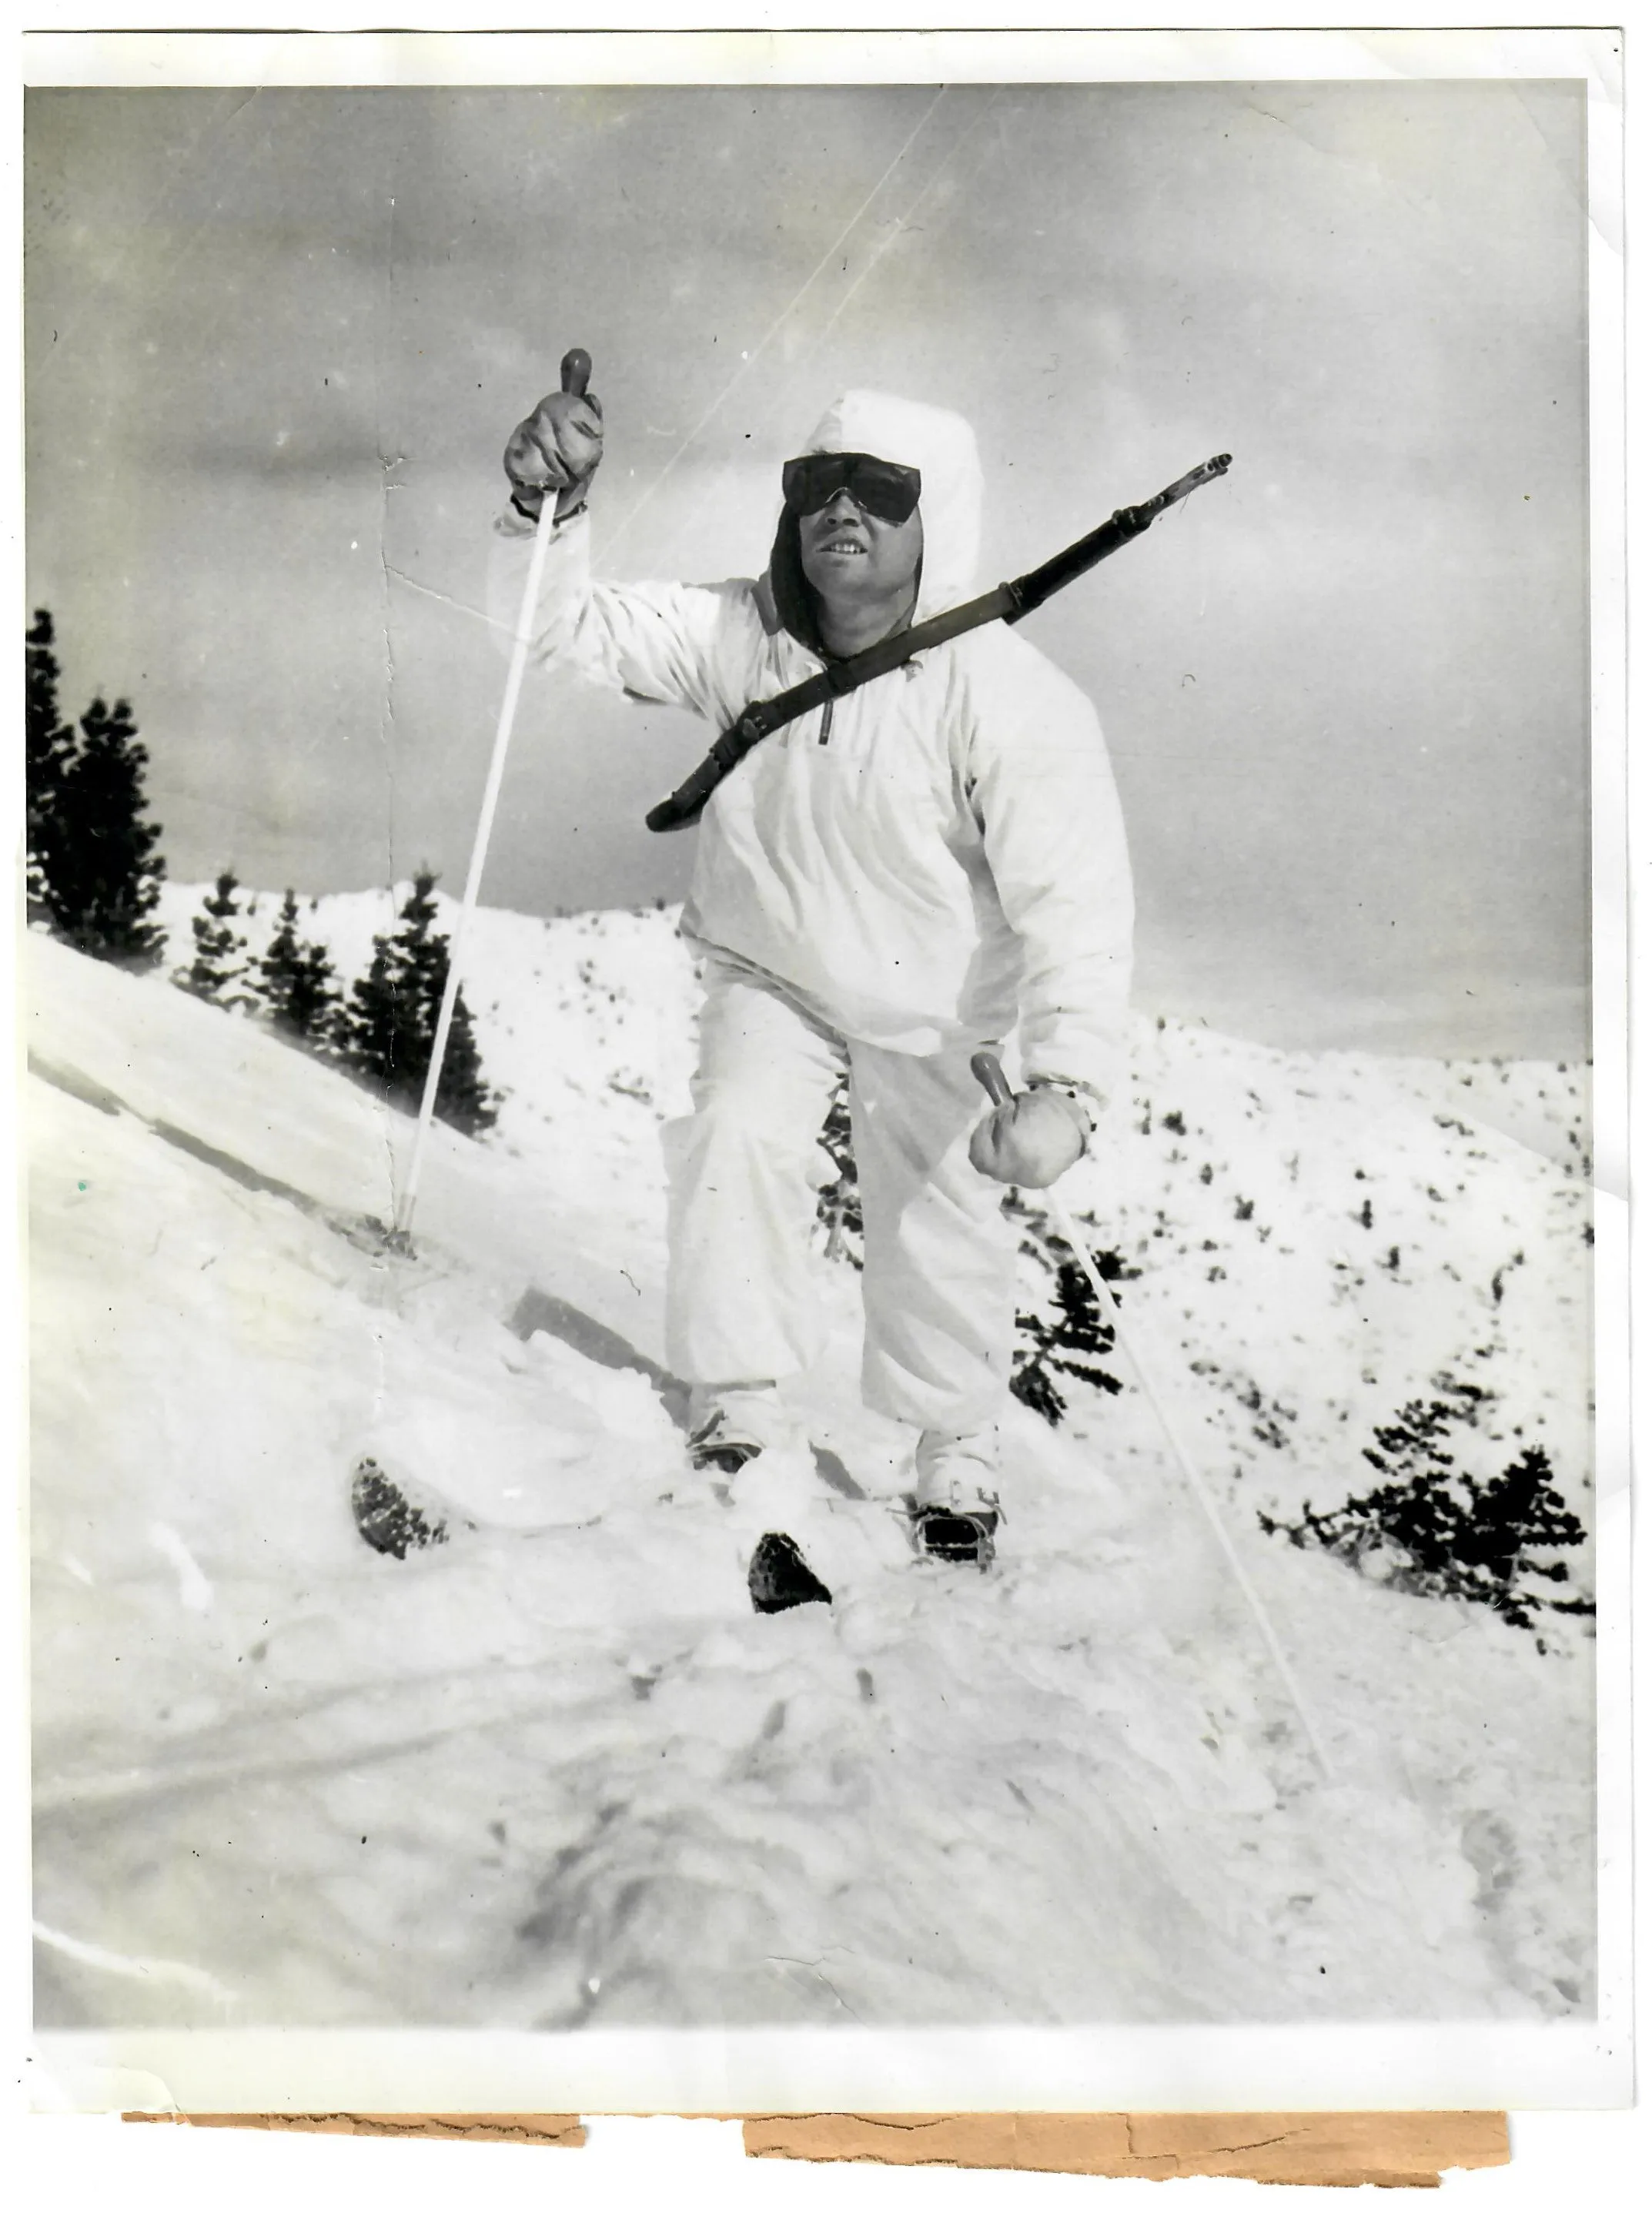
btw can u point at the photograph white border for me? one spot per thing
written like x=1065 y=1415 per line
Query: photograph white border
x=1326 y=2067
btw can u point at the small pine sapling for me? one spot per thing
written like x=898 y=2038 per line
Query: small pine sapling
x=1435 y=1530
x=298 y=979
x=1064 y=1334
x=219 y=969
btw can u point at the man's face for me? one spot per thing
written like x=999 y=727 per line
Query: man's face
x=854 y=559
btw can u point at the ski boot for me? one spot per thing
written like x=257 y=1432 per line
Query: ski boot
x=730 y=1425
x=954 y=1512
x=944 y=1532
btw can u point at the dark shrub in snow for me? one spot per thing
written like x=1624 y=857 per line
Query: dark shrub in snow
x=1435 y=1530
x=1064 y=1334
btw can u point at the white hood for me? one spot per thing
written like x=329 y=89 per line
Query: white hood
x=943 y=448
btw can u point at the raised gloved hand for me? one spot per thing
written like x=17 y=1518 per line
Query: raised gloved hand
x=556 y=448
x=1031 y=1139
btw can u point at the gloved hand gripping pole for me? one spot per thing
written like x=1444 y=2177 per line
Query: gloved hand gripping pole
x=576 y=375
x=988 y=1071
x=1005 y=603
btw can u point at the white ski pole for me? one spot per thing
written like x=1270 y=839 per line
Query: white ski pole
x=989 y=1073
x=576 y=375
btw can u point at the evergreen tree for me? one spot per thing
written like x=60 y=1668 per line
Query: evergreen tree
x=462 y=1099
x=1433 y=1528
x=369 y=1033
x=218 y=971
x=105 y=874
x=50 y=750
x=387 y=1030
x=298 y=981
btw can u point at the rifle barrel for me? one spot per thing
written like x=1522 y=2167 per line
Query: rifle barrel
x=1032 y=590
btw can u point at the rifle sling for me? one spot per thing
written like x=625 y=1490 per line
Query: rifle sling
x=1005 y=603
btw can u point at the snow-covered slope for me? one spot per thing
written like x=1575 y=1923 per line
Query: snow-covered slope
x=557 y=1772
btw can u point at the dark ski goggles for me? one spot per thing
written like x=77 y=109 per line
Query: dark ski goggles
x=883 y=489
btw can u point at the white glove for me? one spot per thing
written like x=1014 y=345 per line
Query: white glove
x=1033 y=1140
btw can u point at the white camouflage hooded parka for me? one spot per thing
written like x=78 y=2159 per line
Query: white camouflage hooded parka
x=927 y=859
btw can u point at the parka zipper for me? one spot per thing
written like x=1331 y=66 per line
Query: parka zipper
x=824 y=737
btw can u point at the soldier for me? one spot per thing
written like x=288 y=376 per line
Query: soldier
x=884 y=888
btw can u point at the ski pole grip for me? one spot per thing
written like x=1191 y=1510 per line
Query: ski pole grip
x=988 y=1070
x=576 y=372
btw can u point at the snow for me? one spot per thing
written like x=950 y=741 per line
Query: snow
x=556 y=1772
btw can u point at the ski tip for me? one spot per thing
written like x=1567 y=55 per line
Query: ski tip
x=780 y=1578
x=386 y=1518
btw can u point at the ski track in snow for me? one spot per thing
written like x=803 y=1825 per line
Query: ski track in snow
x=556 y=1772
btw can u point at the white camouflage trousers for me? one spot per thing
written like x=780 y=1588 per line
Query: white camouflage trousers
x=746 y=1168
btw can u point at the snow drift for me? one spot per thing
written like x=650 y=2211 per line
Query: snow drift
x=556 y=1771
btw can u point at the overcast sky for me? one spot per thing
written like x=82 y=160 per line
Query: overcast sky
x=275 y=343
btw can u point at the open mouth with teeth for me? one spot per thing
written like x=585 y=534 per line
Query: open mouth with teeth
x=843 y=545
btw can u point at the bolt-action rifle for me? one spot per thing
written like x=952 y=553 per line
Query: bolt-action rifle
x=1005 y=603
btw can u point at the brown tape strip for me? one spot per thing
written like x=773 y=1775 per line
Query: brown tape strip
x=563 y=2129
x=1397 y=2149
